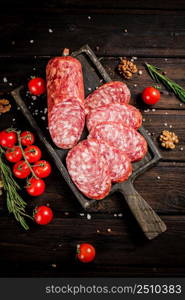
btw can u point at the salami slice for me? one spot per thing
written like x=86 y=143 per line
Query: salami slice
x=124 y=113
x=111 y=92
x=122 y=137
x=119 y=164
x=64 y=80
x=66 y=123
x=89 y=170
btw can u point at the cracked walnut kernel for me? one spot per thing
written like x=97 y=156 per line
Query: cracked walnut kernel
x=127 y=68
x=168 y=139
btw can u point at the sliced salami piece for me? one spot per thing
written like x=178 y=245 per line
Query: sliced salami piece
x=119 y=163
x=89 y=170
x=66 y=123
x=124 y=113
x=64 y=80
x=122 y=137
x=111 y=92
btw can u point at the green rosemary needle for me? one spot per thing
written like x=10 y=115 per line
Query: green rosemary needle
x=178 y=90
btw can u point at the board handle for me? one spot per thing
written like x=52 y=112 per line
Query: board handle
x=150 y=223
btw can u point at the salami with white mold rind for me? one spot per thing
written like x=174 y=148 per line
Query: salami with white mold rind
x=111 y=92
x=89 y=169
x=121 y=137
x=124 y=113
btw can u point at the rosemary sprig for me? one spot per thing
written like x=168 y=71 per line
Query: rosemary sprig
x=178 y=90
x=15 y=203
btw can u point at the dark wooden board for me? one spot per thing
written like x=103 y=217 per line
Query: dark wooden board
x=53 y=245
x=156 y=34
x=105 y=31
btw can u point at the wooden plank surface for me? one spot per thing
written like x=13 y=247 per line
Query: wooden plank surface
x=154 y=34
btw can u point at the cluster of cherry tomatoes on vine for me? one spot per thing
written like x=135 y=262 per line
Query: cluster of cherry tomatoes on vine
x=26 y=159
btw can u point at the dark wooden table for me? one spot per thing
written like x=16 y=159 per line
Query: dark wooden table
x=31 y=34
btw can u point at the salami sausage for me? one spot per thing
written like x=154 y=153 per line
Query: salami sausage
x=65 y=93
x=124 y=113
x=122 y=137
x=64 y=80
x=111 y=92
x=119 y=164
x=89 y=170
x=66 y=123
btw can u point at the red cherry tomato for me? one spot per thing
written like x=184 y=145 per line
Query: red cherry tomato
x=86 y=252
x=8 y=138
x=43 y=215
x=42 y=168
x=27 y=138
x=13 y=154
x=21 y=169
x=37 y=86
x=150 y=95
x=32 y=153
x=35 y=187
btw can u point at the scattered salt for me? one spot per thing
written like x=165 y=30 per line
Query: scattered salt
x=144 y=120
x=31 y=41
x=5 y=79
x=180 y=104
x=115 y=215
x=170 y=126
x=158 y=177
x=125 y=30
x=10 y=83
x=43 y=118
x=181 y=149
x=165 y=124
x=88 y=217
x=82 y=214
x=34 y=97
x=166 y=113
x=135 y=84
x=54 y=265
x=89 y=17
x=109 y=229
x=50 y=30
x=13 y=42
x=89 y=89
x=140 y=72
x=13 y=119
x=153 y=109
x=120 y=215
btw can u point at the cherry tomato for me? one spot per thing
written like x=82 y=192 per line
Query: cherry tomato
x=21 y=169
x=42 y=168
x=35 y=187
x=27 y=138
x=43 y=215
x=86 y=252
x=150 y=95
x=8 y=138
x=32 y=153
x=13 y=154
x=37 y=86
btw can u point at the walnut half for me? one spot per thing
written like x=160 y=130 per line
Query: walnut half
x=168 y=139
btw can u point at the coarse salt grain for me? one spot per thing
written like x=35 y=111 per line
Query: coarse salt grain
x=13 y=42
x=135 y=84
x=89 y=89
x=140 y=72
x=109 y=230
x=144 y=120
x=180 y=104
x=115 y=215
x=158 y=177
x=120 y=215
x=54 y=265
x=43 y=118
x=89 y=17
x=165 y=124
x=170 y=126
x=5 y=79
x=81 y=214
x=34 y=97
x=125 y=30
x=88 y=217
x=31 y=41
x=181 y=149
x=50 y=30
x=153 y=109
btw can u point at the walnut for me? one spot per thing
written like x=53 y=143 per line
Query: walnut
x=127 y=68
x=4 y=105
x=168 y=139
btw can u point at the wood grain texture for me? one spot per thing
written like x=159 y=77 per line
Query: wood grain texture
x=155 y=33
x=141 y=38
x=41 y=248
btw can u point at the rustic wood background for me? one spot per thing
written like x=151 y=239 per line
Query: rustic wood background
x=154 y=33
